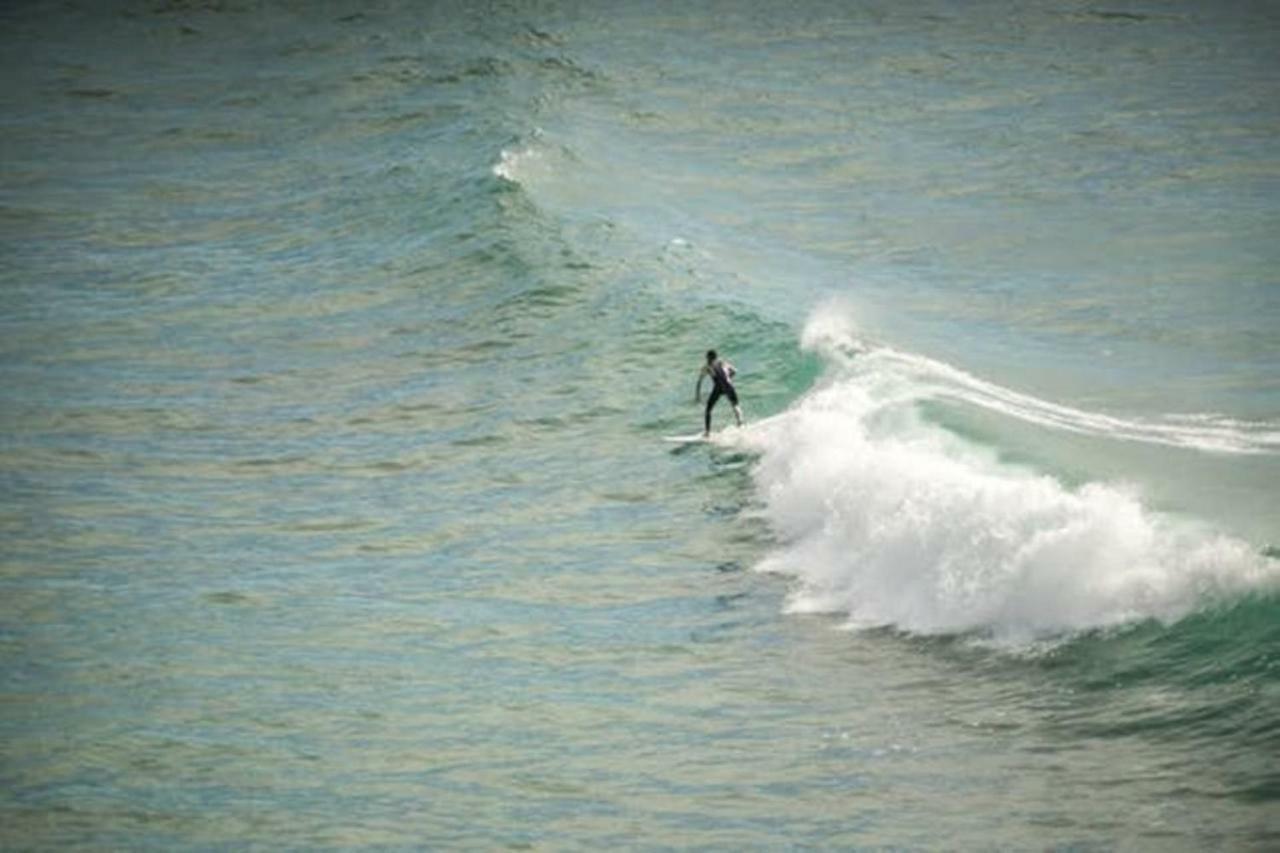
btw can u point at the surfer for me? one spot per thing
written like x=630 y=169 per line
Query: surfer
x=721 y=373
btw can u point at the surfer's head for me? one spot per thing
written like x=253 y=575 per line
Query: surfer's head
x=711 y=355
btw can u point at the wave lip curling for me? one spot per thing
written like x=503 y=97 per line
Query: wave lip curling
x=893 y=521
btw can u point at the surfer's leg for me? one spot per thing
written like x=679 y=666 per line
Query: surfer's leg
x=733 y=399
x=711 y=401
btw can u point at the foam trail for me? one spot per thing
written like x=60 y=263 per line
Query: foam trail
x=1205 y=432
x=831 y=332
x=893 y=521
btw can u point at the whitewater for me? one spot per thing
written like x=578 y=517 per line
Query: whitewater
x=894 y=522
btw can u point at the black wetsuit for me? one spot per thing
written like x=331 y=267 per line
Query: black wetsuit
x=722 y=385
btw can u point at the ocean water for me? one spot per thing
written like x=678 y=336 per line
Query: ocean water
x=337 y=346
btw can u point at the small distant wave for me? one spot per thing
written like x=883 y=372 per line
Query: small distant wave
x=510 y=161
x=526 y=160
x=893 y=521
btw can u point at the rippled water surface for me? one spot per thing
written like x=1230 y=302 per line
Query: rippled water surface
x=337 y=347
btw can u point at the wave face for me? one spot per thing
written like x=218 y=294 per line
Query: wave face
x=894 y=521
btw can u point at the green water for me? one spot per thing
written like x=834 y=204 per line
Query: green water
x=337 y=347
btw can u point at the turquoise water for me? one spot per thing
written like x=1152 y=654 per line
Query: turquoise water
x=338 y=346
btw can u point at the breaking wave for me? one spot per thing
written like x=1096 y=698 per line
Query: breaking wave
x=894 y=521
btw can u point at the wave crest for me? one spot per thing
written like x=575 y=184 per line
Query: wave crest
x=832 y=333
x=893 y=521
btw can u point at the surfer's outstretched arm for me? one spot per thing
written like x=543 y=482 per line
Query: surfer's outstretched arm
x=697 y=389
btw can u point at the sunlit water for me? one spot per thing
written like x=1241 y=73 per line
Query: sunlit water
x=338 y=345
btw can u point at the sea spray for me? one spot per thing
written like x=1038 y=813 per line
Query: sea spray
x=894 y=521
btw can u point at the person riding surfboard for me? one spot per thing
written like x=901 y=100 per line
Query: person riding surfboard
x=721 y=373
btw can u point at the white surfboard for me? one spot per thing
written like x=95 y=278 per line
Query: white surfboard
x=685 y=439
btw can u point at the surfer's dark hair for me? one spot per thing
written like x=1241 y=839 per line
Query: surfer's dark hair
x=711 y=355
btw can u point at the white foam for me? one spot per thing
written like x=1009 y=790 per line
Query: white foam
x=1203 y=432
x=515 y=162
x=509 y=163
x=831 y=332
x=893 y=521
